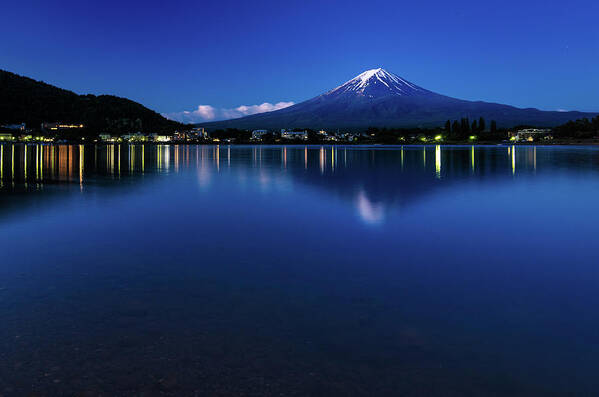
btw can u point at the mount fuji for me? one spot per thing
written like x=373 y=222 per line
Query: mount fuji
x=377 y=98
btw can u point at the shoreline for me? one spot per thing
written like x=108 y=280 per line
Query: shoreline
x=589 y=143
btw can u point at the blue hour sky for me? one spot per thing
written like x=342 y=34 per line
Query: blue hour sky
x=174 y=56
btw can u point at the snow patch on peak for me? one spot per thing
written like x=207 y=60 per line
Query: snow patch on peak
x=379 y=74
x=365 y=76
x=379 y=80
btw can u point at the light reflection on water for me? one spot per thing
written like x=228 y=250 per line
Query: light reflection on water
x=30 y=167
x=298 y=270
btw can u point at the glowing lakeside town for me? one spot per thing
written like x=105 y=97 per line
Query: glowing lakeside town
x=59 y=132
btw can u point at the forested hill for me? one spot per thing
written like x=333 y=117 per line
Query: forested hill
x=24 y=100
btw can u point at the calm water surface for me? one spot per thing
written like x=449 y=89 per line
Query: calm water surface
x=207 y=270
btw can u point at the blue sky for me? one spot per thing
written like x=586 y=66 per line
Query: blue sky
x=178 y=55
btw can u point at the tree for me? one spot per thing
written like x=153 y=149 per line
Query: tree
x=481 y=125
x=448 y=127
x=465 y=126
x=474 y=127
x=582 y=128
x=493 y=126
x=456 y=128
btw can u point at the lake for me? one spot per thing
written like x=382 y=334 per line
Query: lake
x=299 y=270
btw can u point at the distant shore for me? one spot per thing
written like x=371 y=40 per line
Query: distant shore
x=588 y=142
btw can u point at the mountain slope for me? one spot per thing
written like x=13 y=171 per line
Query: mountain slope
x=378 y=98
x=33 y=102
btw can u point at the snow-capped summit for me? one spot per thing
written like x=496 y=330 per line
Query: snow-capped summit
x=377 y=98
x=377 y=83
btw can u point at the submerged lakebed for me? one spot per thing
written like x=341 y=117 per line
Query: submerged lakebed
x=298 y=270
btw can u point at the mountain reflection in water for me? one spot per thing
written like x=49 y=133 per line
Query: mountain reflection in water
x=298 y=270
x=377 y=180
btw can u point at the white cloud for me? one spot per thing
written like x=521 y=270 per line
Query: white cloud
x=210 y=113
x=207 y=112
